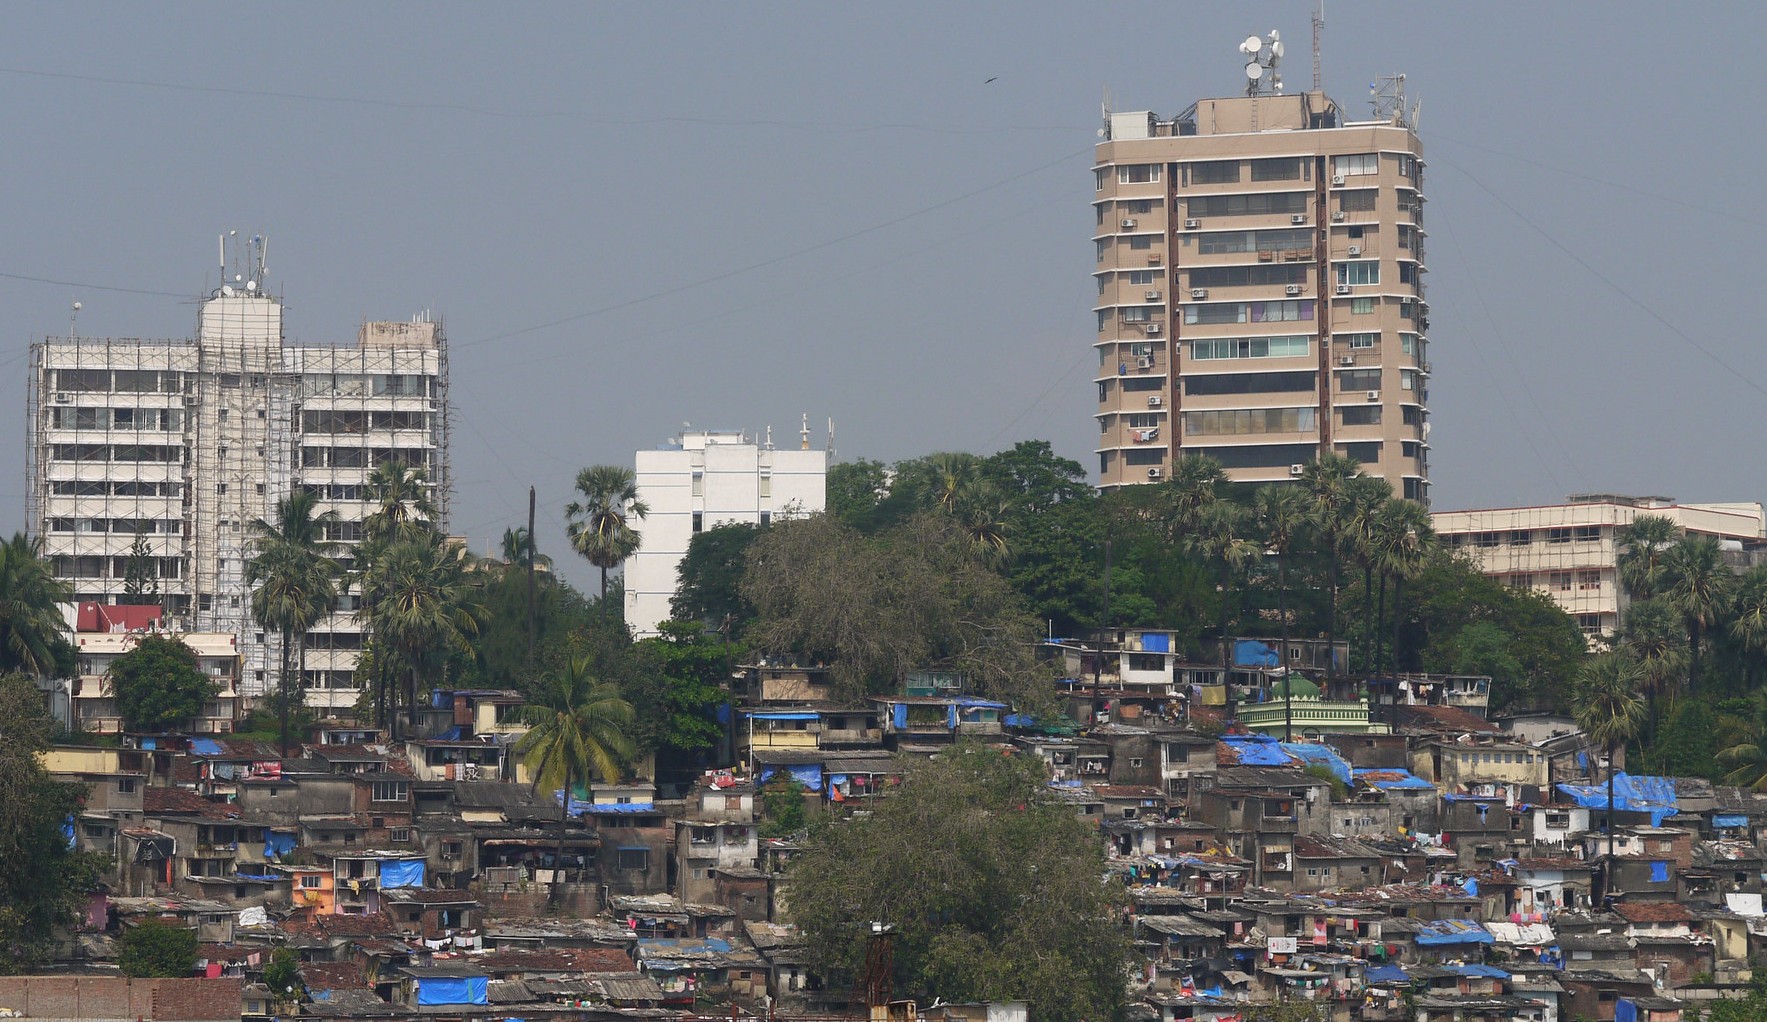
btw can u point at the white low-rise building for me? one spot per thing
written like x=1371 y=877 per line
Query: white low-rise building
x=701 y=480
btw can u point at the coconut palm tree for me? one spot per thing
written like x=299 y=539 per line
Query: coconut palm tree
x=30 y=623
x=420 y=606
x=954 y=476
x=1402 y=539
x=1282 y=515
x=1611 y=712
x=1642 y=543
x=577 y=729
x=601 y=522
x=1196 y=483
x=1697 y=585
x=294 y=580
x=1326 y=481
x=1220 y=540
x=981 y=512
x=1748 y=617
x=1652 y=636
x=1743 y=748
x=1367 y=495
x=403 y=507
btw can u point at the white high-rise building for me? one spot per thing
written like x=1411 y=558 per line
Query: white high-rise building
x=184 y=443
x=701 y=480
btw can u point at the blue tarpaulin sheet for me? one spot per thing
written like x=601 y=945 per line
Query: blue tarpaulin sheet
x=1258 y=750
x=1653 y=795
x=1156 y=642
x=453 y=990
x=1403 y=780
x=1478 y=971
x=1252 y=653
x=1386 y=974
x=1314 y=754
x=205 y=747
x=1019 y=720
x=277 y=844
x=1659 y=872
x=723 y=714
x=616 y=808
x=1452 y=931
x=1625 y=1011
x=1471 y=887
x=67 y=831
x=402 y=873
x=786 y=715
x=1730 y=821
x=899 y=716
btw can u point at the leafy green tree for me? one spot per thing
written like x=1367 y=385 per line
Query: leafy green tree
x=1483 y=648
x=43 y=881
x=159 y=685
x=782 y=806
x=854 y=491
x=1220 y=538
x=152 y=949
x=972 y=861
x=1685 y=744
x=1698 y=586
x=283 y=975
x=676 y=692
x=294 y=584
x=1326 y=480
x=577 y=729
x=876 y=607
x=1368 y=495
x=30 y=624
x=1401 y=541
x=600 y=523
x=141 y=577
x=1611 y=712
x=710 y=579
x=1748 y=620
x=498 y=656
x=1743 y=746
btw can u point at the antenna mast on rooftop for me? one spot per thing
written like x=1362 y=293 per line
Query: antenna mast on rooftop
x=1318 y=33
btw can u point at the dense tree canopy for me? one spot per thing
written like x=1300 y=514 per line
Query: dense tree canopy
x=973 y=862
x=42 y=881
x=159 y=686
x=154 y=949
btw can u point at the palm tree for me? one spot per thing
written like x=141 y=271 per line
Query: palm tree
x=955 y=475
x=294 y=580
x=601 y=523
x=1748 y=617
x=30 y=623
x=981 y=512
x=1698 y=586
x=1220 y=540
x=1196 y=483
x=1282 y=516
x=420 y=606
x=1326 y=480
x=1367 y=495
x=1744 y=748
x=517 y=548
x=1401 y=539
x=577 y=729
x=403 y=508
x=1641 y=543
x=1610 y=711
x=1652 y=637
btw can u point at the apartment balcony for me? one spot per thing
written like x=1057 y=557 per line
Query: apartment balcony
x=852 y=736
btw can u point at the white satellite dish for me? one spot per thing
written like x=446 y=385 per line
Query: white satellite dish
x=1276 y=50
x=1252 y=44
x=226 y=291
x=251 y=285
x=1254 y=70
x=1275 y=35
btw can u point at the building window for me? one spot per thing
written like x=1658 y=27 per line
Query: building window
x=1589 y=623
x=1356 y=164
x=1586 y=534
x=400 y=835
x=1286 y=168
x=1559 y=581
x=1254 y=204
x=220 y=487
x=1361 y=306
x=1249 y=347
x=1361 y=271
x=699 y=521
x=1351 y=380
x=310 y=881
x=1521 y=537
x=1214 y=172
x=1587 y=580
x=390 y=791
x=1240 y=421
x=125 y=785
x=634 y=859
x=1361 y=340
x=1358 y=200
x=1359 y=415
x=1138 y=173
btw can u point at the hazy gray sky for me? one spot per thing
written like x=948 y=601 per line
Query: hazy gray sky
x=638 y=215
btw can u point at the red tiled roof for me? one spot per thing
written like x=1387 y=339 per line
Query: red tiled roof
x=1445 y=718
x=196 y=1000
x=1654 y=912
x=377 y=925
x=333 y=976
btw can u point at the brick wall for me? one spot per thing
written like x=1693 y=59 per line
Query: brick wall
x=115 y=997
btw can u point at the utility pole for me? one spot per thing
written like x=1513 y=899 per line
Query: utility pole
x=532 y=557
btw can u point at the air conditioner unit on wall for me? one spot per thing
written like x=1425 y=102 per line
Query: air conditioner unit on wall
x=1145 y=361
x=1339 y=217
x=1347 y=360
x=1128 y=223
x=1295 y=470
x=1343 y=289
x=1298 y=218
x=1374 y=395
x=1191 y=225
x=1293 y=289
x=1154 y=473
x=1199 y=293
x=1337 y=179
x=1155 y=400
x=1152 y=329
x=1355 y=250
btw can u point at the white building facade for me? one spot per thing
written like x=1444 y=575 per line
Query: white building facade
x=701 y=480
x=185 y=443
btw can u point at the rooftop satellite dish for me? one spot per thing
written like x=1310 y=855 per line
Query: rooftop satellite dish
x=1276 y=51
x=1254 y=70
x=251 y=285
x=237 y=278
x=1275 y=35
x=226 y=291
x=1252 y=44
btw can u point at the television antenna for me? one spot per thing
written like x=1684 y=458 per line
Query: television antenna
x=1318 y=33
x=1262 y=58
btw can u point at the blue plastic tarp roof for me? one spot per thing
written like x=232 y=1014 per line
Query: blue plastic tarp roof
x=1452 y=931
x=1156 y=642
x=1478 y=971
x=1730 y=821
x=453 y=990
x=1386 y=974
x=1404 y=779
x=603 y=808
x=1252 y=653
x=205 y=747
x=1258 y=750
x=401 y=873
x=1314 y=754
x=786 y=715
x=1633 y=794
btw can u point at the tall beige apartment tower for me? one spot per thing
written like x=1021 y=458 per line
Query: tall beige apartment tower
x=1260 y=290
